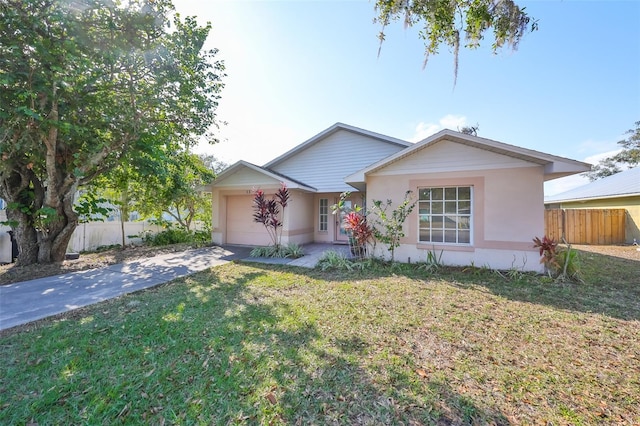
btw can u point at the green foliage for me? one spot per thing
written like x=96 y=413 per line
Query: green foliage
x=432 y=262
x=445 y=22
x=108 y=247
x=294 y=250
x=548 y=248
x=244 y=344
x=44 y=217
x=87 y=86
x=354 y=221
x=92 y=208
x=570 y=262
x=178 y=183
x=333 y=260
x=291 y=251
x=629 y=156
x=176 y=235
x=389 y=226
x=561 y=263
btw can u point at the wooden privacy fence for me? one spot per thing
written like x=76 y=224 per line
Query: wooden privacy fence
x=586 y=226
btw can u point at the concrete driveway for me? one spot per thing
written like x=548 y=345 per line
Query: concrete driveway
x=28 y=301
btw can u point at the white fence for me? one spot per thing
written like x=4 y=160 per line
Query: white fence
x=88 y=236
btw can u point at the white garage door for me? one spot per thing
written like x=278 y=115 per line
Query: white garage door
x=241 y=229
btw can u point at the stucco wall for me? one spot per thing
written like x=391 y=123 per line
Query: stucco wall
x=298 y=218
x=233 y=222
x=507 y=209
x=240 y=227
x=219 y=201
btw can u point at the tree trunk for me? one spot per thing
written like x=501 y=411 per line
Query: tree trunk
x=25 y=236
x=36 y=245
x=53 y=245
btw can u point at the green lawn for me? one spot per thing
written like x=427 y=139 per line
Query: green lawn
x=258 y=344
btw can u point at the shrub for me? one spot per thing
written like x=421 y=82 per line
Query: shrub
x=176 y=236
x=292 y=251
x=560 y=263
x=331 y=259
x=361 y=233
x=432 y=263
x=548 y=248
x=268 y=213
x=389 y=226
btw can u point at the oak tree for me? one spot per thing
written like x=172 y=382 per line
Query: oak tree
x=628 y=157
x=458 y=23
x=84 y=85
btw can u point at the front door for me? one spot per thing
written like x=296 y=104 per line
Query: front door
x=341 y=233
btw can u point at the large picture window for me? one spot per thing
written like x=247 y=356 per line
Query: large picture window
x=444 y=214
x=324 y=214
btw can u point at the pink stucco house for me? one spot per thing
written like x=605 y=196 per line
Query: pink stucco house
x=479 y=201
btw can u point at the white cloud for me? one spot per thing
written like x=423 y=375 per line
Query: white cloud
x=449 y=121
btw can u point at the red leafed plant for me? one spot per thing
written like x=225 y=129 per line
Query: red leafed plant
x=267 y=211
x=362 y=233
x=548 y=248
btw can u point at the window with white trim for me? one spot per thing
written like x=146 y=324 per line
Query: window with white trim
x=324 y=214
x=444 y=214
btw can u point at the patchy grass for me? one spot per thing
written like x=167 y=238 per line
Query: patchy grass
x=265 y=344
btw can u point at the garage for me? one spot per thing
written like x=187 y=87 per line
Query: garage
x=241 y=229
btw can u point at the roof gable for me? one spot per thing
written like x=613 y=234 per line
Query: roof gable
x=554 y=166
x=329 y=131
x=623 y=184
x=243 y=173
x=323 y=161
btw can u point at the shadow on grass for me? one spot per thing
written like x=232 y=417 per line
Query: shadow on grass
x=611 y=285
x=278 y=366
x=210 y=349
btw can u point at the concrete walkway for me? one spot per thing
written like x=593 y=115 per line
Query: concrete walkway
x=27 y=301
x=312 y=254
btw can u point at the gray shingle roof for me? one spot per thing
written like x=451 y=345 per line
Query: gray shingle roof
x=621 y=184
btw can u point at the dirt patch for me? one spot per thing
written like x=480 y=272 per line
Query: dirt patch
x=623 y=252
x=11 y=273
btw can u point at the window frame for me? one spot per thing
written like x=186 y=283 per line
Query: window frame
x=323 y=216
x=444 y=205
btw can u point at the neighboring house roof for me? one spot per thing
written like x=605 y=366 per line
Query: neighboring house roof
x=623 y=184
x=236 y=167
x=327 y=132
x=554 y=166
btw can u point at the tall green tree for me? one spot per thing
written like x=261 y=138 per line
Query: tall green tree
x=170 y=184
x=629 y=156
x=84 y=85
x=178 y=191
x=446 y=22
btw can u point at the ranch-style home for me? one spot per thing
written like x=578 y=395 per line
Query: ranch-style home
x=478 y=201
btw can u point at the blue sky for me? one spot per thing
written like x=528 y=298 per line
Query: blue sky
x=296 y=67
